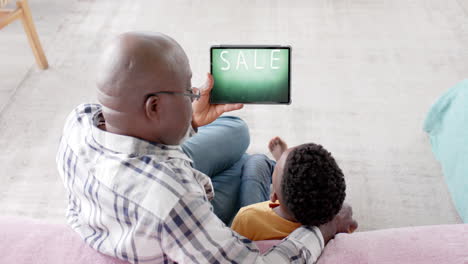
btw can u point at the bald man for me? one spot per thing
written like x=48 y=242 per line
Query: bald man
x=144 y=84
x=141 y=166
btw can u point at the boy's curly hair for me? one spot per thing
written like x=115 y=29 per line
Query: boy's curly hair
x=313 y=186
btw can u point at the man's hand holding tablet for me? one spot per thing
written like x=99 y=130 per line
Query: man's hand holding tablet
x=204 y=112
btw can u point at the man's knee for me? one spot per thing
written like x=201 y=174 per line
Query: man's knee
x=238 y=127
x=235 y=123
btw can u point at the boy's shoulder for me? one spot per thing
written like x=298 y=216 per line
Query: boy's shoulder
x=256 y=222
x=255 y=209
x=253 y=214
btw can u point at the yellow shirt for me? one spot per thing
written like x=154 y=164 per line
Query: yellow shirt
x=259 y=222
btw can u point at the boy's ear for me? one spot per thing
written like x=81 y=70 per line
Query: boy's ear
x=273 y=197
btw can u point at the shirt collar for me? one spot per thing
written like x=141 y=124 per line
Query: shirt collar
x=132 y=145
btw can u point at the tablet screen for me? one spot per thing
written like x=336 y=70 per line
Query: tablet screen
x=251 y=74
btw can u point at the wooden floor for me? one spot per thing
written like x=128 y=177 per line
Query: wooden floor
x=364 y=76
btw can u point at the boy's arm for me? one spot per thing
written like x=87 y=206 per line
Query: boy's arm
x=343 y=222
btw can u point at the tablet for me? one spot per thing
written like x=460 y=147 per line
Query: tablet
x=251 y=74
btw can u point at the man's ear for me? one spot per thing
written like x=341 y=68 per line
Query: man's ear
x=273 y=197
x=152 y=107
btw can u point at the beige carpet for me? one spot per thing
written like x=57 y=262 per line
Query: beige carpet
x=364 y=76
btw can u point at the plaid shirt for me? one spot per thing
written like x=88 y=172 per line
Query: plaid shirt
x=143 y=202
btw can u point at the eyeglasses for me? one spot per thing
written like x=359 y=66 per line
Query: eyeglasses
x=193 y=96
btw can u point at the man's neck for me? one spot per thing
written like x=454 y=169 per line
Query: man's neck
x=102 y=126
x=109 y=128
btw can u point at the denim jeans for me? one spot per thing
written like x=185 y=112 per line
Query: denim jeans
x=239 y=179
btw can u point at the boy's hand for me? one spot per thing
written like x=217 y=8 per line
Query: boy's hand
x=344 y=220
x=204 y=112
x=342 y=223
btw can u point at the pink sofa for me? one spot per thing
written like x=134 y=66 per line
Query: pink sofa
x=24 y=241
x=442 y=244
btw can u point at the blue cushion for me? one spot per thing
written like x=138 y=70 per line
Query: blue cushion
x=447 y=126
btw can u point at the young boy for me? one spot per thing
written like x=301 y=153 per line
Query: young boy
x=308 y=189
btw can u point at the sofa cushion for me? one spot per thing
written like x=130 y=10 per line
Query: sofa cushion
x=25 y=241
x=410 y=245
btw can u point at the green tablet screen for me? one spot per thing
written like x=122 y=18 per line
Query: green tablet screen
x=244 y=74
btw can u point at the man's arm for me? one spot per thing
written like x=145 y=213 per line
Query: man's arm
x=192 y=233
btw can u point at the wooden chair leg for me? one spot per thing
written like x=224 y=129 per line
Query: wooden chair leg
x=33 y=38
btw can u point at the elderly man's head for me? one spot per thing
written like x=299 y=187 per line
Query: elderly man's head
x=132 y=68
